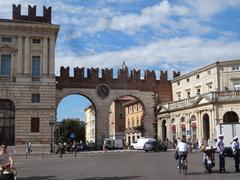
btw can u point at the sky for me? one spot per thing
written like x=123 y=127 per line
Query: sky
x=179 y=35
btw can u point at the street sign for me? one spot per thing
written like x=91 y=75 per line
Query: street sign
x=72 y=135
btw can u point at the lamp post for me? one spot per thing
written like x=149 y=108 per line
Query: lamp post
x=51 y=123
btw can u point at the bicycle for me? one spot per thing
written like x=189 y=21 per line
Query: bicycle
x=183 y=165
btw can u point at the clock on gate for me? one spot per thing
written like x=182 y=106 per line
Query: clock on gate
x=103 y=90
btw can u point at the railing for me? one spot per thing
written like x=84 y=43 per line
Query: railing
x=222 y=96
x=7 y=78
x=36 y=79
x=228 y=96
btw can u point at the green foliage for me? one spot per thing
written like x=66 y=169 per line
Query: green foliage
x=69 y=126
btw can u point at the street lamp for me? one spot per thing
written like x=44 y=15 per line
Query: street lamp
x=51 y=123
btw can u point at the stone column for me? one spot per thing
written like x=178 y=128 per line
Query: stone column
x=45 y=57
x=199 y=125
x=27 y=56
x=52 y=56
x=19 y=55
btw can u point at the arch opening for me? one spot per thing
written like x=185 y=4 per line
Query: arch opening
x=230 y=117
x=76 y=121
x=206 y=127
x=164 y=130
x=7 y=122
x=126 y=119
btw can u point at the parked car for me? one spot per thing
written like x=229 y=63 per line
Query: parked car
x=81 y=147
x=140 y=143
x=154 y=146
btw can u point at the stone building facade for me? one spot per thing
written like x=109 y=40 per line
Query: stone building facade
x=202 y=99
x=134 y=121
x=90 y=124
x=117 y=117
x=27 y=77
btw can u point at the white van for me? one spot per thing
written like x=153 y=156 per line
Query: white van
x=140 y=142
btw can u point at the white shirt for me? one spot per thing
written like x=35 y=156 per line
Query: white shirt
x=182 y=147
x=220 y=146
x=235 y=147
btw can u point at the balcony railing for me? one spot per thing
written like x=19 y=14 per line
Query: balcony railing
x=223 y=96
x=6 y=78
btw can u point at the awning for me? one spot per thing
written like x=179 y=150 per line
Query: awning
x=194 y=125
x=183 y=126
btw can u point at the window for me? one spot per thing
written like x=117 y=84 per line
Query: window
x=209 y=86
x=128 y=123
x=121 y=116
x=198 y=91
x=36 y=67
x=139 y=107
x=209 y=72
x=130 y=109
x=179 y=96
x=132 y=122
x=236 y=68
x=35 y=125
x=5 y=65
x=36 y=41
x=187 y=80
x=35 y=98
x=178 y=83
x=135 y=108
x=188 y=94
x=197 y=76
x=6 y=39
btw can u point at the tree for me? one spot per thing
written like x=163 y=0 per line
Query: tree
x=72 y=129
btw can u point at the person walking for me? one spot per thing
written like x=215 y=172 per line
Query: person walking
x=235 y=151
x=29 y=146
x=220 y=150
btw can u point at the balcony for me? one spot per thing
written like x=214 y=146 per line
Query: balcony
x=4 y=78
x=223 y=96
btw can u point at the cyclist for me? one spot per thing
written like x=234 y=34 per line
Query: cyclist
x=182 y=149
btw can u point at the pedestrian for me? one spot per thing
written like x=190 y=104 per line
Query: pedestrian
x=235 y=151
x=29 y=145
x=220 y=150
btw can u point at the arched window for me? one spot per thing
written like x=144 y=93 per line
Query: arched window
x=7 y=122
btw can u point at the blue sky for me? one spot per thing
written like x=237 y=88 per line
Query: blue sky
x=147 y=34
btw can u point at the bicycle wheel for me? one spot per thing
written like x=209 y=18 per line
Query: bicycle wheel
x=185 y=168
x=180 y=169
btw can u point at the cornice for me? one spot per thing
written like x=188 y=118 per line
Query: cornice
x=29 y=27
x=7 y=48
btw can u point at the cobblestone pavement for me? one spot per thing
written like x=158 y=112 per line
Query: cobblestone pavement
x=117 y=165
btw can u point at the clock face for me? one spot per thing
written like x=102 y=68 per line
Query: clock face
x=102 y=90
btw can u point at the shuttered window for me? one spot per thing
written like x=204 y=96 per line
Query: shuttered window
x=35 y=125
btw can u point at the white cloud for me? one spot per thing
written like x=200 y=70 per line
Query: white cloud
x=163 y=53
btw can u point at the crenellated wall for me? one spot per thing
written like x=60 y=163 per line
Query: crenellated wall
x=124 y=80
x=46 y=18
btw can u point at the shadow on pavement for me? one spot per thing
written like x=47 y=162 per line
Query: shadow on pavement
x=109 y=178
x=213 y=172
x=38 y=178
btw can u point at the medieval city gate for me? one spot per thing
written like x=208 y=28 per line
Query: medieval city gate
x=102 y=91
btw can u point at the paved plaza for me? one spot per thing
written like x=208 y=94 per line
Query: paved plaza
x=117 y=165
